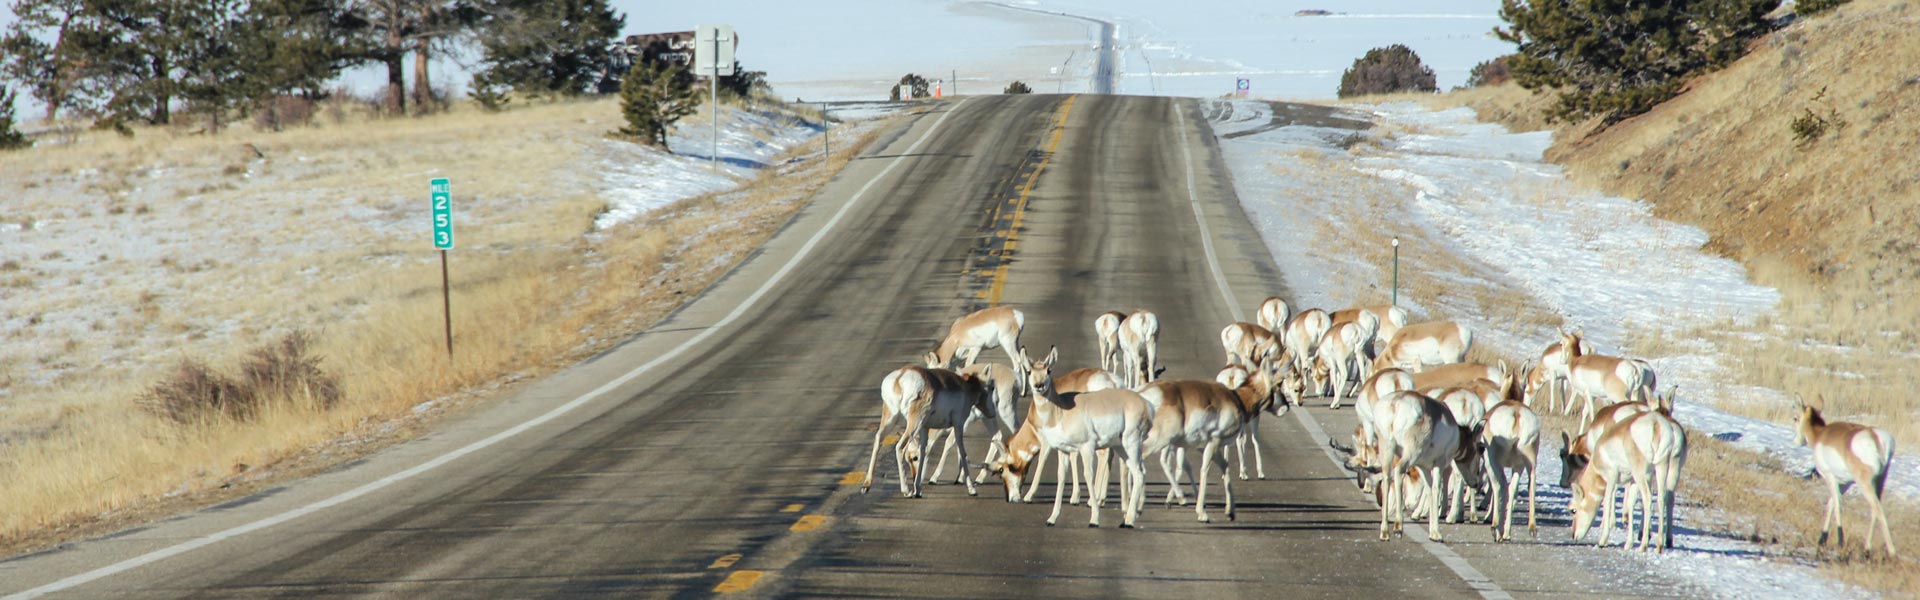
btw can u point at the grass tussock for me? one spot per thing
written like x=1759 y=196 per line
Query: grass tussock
x=532 y=291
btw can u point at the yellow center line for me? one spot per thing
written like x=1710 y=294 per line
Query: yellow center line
x=739 y=581
x=890 y=439
x=809 y=523
x=853 y=477
x=1020 y=202
x=724 y=561
x=793 y=508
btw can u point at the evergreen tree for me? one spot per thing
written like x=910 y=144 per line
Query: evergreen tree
x=1617 y=58
x=653 y=96
x=122 y=60
x=42 y=67
x=915 y=86
x=1017 y=88
x=540 y=47
x=10 y=138
x=1387 y=70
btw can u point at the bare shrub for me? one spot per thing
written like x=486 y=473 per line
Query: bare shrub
x=278 y=372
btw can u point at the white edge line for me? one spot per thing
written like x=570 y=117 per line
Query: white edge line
x=1474 y=578
x=372 y=486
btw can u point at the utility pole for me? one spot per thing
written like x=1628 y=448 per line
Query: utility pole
x=713 y=100
x=954 y=76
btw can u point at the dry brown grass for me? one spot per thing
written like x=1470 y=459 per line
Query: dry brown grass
x=86 y=463
x=1827 y=223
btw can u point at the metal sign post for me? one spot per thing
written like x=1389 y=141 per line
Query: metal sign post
x=1396 y=271
x=443 y=239
x=713 y=57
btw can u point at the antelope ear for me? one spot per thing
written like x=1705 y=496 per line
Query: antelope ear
x=1053 y=355
x=1566 y=441
x=1023 y=355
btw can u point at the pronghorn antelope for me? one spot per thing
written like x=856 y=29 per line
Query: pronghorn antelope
x=1371 y=392
x=928 y=399
x=1140 y=346
x=1035 y=459
x=1248 y=344
x=1592 y=375
x=1392 y=320
x=1302 y=339
x=1339 y=357
x=997 y=327
x=1649 y=448
x=1106 y=328
x=1369 y=322
x=1004 y=386
x=1470 y=413
x=1191 y=414
x=1421 y=435
x=1512 y=436
x=1274 y=314
x=1465 y=374
x=1845 y=454
x=1551 y=376
x=1416 y=347
x=1275 y=401
x=1572 y=462
x=1116 y=419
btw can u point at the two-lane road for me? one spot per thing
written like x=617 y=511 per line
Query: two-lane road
x=724 y=462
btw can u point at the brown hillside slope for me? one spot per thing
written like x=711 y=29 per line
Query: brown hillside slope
x=1724 y=155
x=1831 y=223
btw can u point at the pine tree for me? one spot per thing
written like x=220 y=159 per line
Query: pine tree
x=10 y=138
x=915 y=86
x=1387 y=70
x=1617 y=58
x=652 y=97
x=540 y=47
x=1017 y=88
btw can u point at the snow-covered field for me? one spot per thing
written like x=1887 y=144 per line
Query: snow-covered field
x=813 y=51
x=1483 y=197
x=137 y=258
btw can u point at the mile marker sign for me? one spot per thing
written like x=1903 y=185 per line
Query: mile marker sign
x=442 y=213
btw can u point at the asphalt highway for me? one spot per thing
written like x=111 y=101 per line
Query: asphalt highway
x=728 y=463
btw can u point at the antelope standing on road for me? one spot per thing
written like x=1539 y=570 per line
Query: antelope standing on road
x=1339 y=357
x=1140 y=347
x=1421 y=435
x=997 y=327
x=1198 y=415
x=1369 y=322
x=1278 y=401
x=1003 y=387
x=1513 y=444
x=1416 y=347
x=1030 y=456
x=1115 y=419
x=1303 y=340
x=1273 y=314
x=927 y=399
x=1844 y=454
x=1248 y=344
x=1106 y=328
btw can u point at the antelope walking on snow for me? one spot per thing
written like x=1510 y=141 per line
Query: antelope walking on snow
x=1648 y=448
x=1593 y=376
x=1845 y=454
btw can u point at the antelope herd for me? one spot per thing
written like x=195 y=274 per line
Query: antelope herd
x=1435 y=432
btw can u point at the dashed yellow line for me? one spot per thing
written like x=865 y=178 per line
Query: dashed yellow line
x=1020 y=202
x=724 y=561
x=853 y=477
x=809 y=523
x=890 y=439
x=739 y=581
x=793 y=508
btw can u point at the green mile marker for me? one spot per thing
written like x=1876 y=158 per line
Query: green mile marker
x=443 y=239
